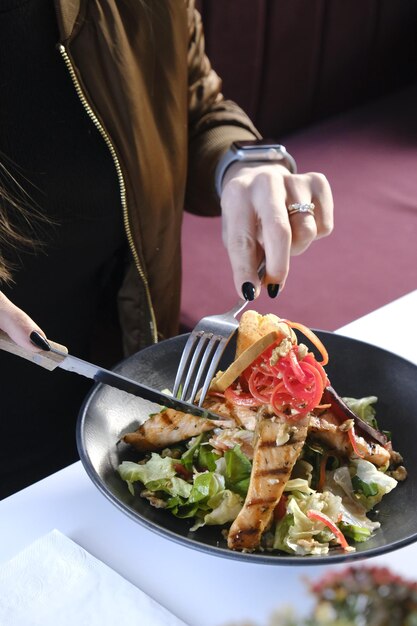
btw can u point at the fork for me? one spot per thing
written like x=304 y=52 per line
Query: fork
x=204 y=349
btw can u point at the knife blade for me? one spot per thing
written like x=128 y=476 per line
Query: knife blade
x=55 y=355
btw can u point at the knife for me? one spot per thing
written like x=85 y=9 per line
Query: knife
x=55 y=355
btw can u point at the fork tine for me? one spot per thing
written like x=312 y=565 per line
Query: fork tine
x=212 y=369
x=204 y=349
x=204 y=364
x=186 y=356
x=200 y=349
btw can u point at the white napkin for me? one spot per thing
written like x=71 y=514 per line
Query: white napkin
x=55 y=581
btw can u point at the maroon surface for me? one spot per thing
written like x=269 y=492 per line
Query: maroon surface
x=370 y=158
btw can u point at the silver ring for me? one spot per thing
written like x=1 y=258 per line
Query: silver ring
x=298 y=207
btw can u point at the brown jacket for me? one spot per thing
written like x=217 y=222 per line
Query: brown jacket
x=140 y=70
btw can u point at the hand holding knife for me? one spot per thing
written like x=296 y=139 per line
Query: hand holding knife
x=55 y=355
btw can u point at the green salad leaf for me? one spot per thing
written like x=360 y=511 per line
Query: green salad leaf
x=200 y=454
x=207 y=458
x=157 y=474
x=187 y=458
x=362 y=407
x=370 y=484
x=296 y=533
x=237 y=470
x=225 y=507
x=204 y=487
x=360 y=486
x=357 y=533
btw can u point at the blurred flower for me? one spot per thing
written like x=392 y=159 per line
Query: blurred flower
x=365 y=596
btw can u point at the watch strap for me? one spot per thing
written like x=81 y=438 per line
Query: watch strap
x=256 y=153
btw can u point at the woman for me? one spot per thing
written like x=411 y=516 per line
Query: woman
x=111 y=122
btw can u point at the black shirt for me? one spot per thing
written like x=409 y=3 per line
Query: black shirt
x=63 y=169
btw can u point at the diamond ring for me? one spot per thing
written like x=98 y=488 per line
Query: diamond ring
x=298 y=207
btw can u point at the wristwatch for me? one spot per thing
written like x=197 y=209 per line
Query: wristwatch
x=255 y=151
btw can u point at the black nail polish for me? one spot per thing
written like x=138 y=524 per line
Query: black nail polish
x=248 y=290
x=39 y=341
x=273 y=290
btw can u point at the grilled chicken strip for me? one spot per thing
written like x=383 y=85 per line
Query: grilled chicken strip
x=244 y=416
x=169 y=427
x=278 y=446
x=328 y=429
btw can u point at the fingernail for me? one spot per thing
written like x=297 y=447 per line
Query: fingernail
x=273 y=290
x=39 y=341
x=248 y=290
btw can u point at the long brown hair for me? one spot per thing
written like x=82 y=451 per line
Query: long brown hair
x=20 y=221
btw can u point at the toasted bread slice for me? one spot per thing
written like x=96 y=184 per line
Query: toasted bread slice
x=223 y=380
x=253 y=326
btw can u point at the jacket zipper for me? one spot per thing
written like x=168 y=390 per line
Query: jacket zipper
x=121 y=181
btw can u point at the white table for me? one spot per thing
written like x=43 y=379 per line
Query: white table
x=201 y=589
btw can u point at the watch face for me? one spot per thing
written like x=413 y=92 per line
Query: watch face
x=257 y=144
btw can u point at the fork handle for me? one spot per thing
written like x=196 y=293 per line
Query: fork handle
x=262 y=269
x=240 y=305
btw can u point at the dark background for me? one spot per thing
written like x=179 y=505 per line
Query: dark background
x=309 y=59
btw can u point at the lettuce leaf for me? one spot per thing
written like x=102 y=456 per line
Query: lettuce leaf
x=197 y=504
x=187 y=458
x=237 y=471
x=225 y=507
x=298 y=534
x=157 y=474
x=371 y=484
x=355 y=506
x=205 y=486
x=298 y=484
x=207 y=457
x=363 y=408
x=362 y=484
x=200 y=454
x=206 y=499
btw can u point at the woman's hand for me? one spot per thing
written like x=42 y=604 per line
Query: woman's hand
x=256 y=223
x=17 y=324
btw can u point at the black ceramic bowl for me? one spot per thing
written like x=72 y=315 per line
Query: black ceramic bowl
x=355 y=369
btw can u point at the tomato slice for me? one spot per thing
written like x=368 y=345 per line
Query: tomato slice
x=241 y=398
x=310 y=358
x=281 y=508
x=280 y=399
x=261 y=386
x=301 y=391
x=292 y=386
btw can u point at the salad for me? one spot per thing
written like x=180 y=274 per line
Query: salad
x=288 y=466
x=355 y=596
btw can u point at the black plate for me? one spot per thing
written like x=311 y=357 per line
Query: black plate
x=355 y=369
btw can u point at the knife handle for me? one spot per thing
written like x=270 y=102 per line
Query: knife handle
x=49 y=360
